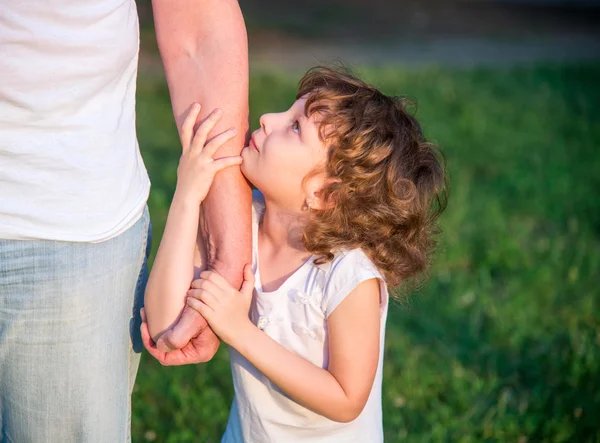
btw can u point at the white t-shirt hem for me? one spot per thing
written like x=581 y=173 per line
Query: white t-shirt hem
x=21 y=233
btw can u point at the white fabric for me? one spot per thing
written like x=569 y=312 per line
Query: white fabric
x=295 y=316
x=70 y=166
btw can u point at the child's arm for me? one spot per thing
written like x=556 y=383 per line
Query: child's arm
x=173 y=267
x=338 y=393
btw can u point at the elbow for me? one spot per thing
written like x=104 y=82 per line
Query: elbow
x=159 y=316
x=347 y=412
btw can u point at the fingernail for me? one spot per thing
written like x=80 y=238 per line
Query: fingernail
x=195 y=106
x=218 y=111
x=233 y=130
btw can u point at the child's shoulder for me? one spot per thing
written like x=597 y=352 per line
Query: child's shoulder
x=350 y=258
x=344 y=273
x=350 y=264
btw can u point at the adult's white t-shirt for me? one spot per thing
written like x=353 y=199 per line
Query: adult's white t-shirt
x=70 y=165
x=295 y=315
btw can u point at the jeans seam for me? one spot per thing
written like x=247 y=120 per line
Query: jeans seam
x=143 y=258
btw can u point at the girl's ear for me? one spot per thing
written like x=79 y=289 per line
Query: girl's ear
x=314 y=192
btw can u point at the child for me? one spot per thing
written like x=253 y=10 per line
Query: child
x=350 y=194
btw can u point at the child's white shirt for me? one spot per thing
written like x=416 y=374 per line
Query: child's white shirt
x=295 y=315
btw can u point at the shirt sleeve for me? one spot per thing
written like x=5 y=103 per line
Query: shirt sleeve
x=348 y=270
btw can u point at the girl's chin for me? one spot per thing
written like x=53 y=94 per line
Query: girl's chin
x=246 y=173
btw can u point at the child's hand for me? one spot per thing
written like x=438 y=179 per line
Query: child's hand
x=197 y=168
x=224 y=307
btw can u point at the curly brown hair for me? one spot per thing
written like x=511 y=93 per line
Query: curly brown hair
x=388 y=184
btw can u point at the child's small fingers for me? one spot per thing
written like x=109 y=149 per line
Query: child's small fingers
x=187 y=128
x=206 y=275
x=216 y=278
x=206 y=285
x=199 y=306
x=196 y=293
x=204 y=296
x=226 y=162
x=248 y=274
x=204 y=129
x=219 y=140
x=248 y=283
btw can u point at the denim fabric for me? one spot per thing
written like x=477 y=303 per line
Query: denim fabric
x=69 y=337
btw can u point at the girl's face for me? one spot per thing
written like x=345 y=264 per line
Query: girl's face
x=281 y=153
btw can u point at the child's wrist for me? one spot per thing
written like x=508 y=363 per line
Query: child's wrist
x=244 y=335
x=185 y=199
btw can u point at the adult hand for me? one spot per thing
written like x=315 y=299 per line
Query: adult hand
x=199 y=349
x=189 y=325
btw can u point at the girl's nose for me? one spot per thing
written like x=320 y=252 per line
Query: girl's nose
x=272 y=121
x=265 y=123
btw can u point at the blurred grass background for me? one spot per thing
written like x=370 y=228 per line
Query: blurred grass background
x=503 y=343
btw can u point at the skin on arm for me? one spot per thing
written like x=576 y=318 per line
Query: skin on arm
x=339 y=392
x=203 y=45
x=174 y=264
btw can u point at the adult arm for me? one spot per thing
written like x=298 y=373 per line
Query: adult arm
x=203 y=46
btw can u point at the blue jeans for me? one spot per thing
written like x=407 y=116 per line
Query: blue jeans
x=69 y=337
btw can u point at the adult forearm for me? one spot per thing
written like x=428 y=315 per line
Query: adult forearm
x=209 y=64
x=204 y=48
x=226 y=217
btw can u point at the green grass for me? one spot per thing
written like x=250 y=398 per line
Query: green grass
x=503 y=343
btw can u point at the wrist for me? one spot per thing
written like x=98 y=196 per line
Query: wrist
x=244 y=336
x=183 y=200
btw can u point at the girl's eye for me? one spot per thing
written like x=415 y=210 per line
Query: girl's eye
x=296 y=127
